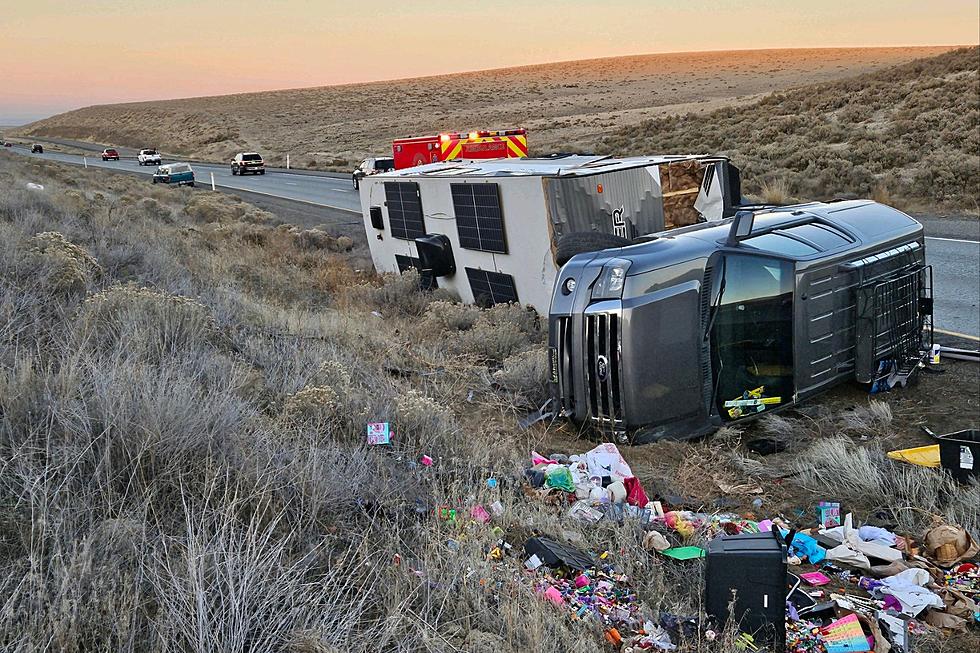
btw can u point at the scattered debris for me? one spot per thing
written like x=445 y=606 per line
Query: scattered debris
x=378 y=433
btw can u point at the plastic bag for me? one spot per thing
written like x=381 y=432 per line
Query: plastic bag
x=559 y=477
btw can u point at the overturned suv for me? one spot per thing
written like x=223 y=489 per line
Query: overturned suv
x=700 y=326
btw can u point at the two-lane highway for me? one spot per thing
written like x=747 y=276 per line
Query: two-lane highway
x=321 y=189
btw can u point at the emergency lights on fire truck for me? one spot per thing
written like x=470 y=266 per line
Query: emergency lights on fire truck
x=443 y=137
x=611 y=281
x=474 y=135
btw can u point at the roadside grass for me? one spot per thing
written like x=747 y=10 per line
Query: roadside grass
x=184 y=388
x=908 y=135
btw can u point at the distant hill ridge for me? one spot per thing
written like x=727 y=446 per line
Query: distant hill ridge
x=570 y=105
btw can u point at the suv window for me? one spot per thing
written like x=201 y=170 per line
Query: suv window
x=384 y=164
x=779 y=244
x=752 y=336
x=149 y=151
x=251 y=157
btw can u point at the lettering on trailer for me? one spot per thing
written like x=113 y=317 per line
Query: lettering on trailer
x=619 y=222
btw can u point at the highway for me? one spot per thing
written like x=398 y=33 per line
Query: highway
x=952 y=244
x=328 y=190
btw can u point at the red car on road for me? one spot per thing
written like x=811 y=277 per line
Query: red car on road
x=110 y=155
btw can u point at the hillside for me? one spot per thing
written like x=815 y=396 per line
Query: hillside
x=567 y=106
x=185 y=384
x=909 y=133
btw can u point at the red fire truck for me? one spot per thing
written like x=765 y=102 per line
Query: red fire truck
x=409 y=152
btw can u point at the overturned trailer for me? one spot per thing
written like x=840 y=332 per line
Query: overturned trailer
x=714 y=323
x=498 y=230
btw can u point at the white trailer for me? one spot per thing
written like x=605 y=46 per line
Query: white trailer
x=490 y=229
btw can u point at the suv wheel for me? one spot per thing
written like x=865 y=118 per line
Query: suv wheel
x=357 y=183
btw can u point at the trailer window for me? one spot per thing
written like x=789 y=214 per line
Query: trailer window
x=406 y=263
x=752 y=336
x=491 y=288
x=404 y=210
x=479 y=220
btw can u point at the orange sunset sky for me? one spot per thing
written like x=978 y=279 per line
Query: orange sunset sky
x=58 y=55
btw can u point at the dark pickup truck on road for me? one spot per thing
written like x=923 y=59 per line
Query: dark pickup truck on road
x=718 y=322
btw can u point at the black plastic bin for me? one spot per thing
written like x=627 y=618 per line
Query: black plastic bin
x=753 y=565
x=959 y=453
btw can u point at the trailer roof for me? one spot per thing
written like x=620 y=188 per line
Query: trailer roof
x=571 y=165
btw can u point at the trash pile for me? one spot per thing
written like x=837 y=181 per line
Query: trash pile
x=592 y=589
x=846 y=588
x=831 y=588
x=596 y=485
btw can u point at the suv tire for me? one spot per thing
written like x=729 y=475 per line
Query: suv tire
x=580 y=242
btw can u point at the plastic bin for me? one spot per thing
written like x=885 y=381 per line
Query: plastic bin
x=959 y=453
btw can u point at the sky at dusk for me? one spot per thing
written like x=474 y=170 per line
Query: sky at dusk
x=60 y=55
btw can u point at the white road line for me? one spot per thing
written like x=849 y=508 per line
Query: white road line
x=293 y=199
x=954 y=240
x=957 y=334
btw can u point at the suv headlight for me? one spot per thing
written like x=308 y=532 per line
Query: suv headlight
x=611 y=280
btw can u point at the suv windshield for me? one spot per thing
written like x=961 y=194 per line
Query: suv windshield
x=149 y=151
x=752 y=336
x=251 y=157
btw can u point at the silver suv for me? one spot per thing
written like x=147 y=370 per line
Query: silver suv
x=148 y=158
x=720 y=322
x=247 y=162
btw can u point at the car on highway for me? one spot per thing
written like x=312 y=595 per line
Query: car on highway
x=8 y=144
x=247 y=162
x=178 y=174
x=372 y=166
x=148 y=158
x=110 y=154
x=37 y=148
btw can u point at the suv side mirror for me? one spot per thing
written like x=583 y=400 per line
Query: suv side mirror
x=741 y=227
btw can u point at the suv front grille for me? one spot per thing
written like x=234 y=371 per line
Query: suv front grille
x=603 y=368
x=562 y=363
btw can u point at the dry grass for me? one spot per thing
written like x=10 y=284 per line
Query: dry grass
x=909 y=133
x=182 y=456
x=566 y=106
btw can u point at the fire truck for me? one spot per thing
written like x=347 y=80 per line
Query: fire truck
x=411 y=152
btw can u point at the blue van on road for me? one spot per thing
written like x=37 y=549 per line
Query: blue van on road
x=174 y=173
